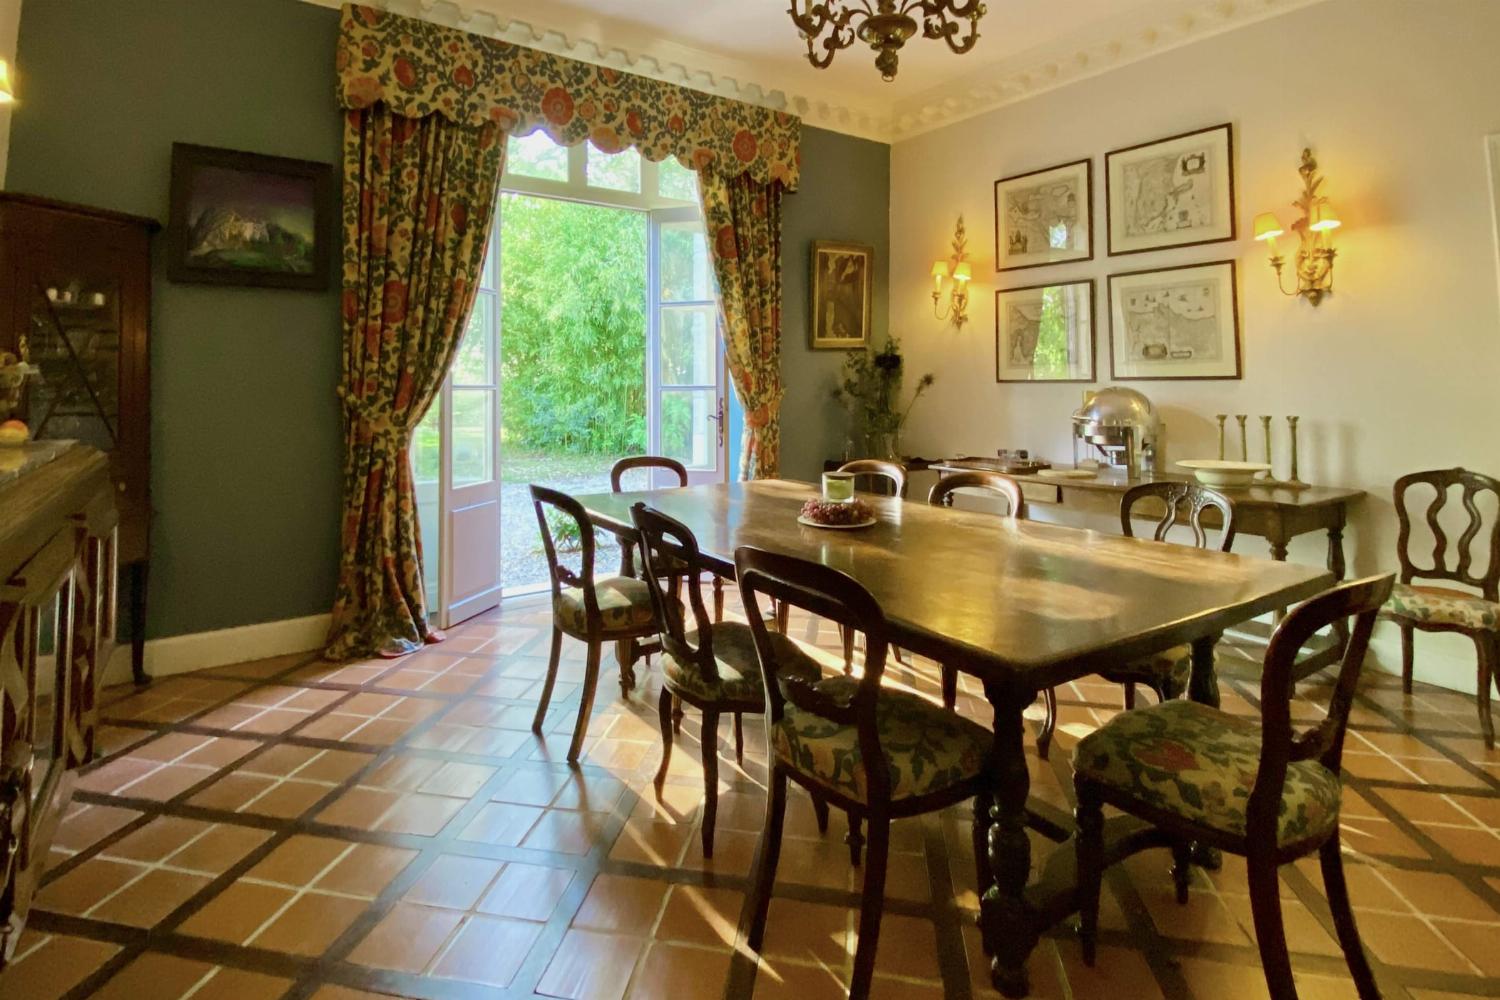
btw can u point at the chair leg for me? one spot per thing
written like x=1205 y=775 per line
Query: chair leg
x=855 y=838
x=676 y=714
x=1331 y=859
x=770 y=853
x=1265 y=907
x=1049 y=723
x=820 y=810
x=1408 y=654
x=1129 y=694
x=846 y=635
x=585 y=701
x=739 y=739
x=718 y=598
x=783 y=616
x=950 y=687
x=1182 y=871
x=625 y=652
x=1089 y=843
x=872 y=904
x=552 y=661
x=709 y=742
x=898 y=653
x=664 y=713
x=1486 y=646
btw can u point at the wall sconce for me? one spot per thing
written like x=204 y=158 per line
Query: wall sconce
x=7 y=93
x=957 y=267
x=1314 y=229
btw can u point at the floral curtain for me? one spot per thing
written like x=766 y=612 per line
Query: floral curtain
x=418 y=197
x=742 y=217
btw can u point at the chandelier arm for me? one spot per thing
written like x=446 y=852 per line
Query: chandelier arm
x=936 y=23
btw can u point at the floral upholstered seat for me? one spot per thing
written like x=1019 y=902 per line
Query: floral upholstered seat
x=1199 y=764
x=624 y=604
x=1441 y=606
x=739 y=668
x=927 y=747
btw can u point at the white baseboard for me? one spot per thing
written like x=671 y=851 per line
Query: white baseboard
x=180 y=654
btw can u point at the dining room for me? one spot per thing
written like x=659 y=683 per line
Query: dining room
x=870 y=500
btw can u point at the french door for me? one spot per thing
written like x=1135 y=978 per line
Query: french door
x=687 y=415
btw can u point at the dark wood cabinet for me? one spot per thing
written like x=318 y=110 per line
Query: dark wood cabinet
x=75 y=300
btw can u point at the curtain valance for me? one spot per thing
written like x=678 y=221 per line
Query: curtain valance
x=417 y=68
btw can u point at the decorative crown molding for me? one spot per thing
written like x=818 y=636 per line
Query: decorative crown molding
x=1111 y=45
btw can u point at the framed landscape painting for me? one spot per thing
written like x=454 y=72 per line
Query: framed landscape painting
x=1045 y=333
x=843 y=276
x=1173 y=192
x=248 y=219
x=1175 y=323
x=1045 y=217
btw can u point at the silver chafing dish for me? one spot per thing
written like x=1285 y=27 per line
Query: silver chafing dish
x=1119 y=428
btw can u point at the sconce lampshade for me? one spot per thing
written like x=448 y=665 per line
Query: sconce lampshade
x=1323 y=218
x=962 y=272
x=940 y=269
x=1267 y=226
x=6 y=93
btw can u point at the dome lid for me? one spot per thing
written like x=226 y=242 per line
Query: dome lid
x=1117 y=406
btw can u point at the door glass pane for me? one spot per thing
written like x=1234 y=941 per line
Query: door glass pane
x=685 y=274
x=474 y=364
x=473 y=441
x=536 y=155
x=426 y=461
x=675 y=181
x=614 y=171
x=688 y=345
x=687 y=433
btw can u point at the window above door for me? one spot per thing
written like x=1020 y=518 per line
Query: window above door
x=534 y=164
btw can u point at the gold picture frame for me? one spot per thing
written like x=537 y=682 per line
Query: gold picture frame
x=841 y=294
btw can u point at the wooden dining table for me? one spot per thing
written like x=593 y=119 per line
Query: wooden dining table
x=1019 y=605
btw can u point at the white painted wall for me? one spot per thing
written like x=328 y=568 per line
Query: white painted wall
x=10 y=22
x=1399 y=371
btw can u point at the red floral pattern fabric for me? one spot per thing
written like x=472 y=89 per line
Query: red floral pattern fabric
x=417 y=68
x=418 y=198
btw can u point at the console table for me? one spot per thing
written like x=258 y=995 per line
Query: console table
x=57 y=628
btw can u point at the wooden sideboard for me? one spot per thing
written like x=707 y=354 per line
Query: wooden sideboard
x=58 y=560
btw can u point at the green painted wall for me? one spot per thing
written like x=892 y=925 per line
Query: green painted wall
x=245 y=432
x=844 y=194
x=245 y=435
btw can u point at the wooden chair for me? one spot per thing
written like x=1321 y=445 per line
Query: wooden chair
x=676 y=468
x=876 y=753
x=592 y=609
x=711 y=666
x=941 y=495
x=1444 y=609
x=1250 y=787
x=1166 y=673
x=871 y=470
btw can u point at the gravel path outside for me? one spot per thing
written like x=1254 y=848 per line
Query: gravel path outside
x=522 y=562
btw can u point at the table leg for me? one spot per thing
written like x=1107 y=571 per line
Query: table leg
x=1010 y=927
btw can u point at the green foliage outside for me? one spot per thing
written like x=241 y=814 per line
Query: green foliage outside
x=1051 y=358
x=573 y=327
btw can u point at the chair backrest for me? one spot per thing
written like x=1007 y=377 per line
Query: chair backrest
x=571 y=511
x=665 y=540
x=837 y=597
x=1179 y=498
x=874 y=468
x=941 y=494
x=624 y=465
x=1361 y=600
x=1442 y=481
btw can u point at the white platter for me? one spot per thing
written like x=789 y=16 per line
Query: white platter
x=835 y=527
x=1213 y=472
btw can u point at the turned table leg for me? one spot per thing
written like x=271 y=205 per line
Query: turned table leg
x=1010 y=927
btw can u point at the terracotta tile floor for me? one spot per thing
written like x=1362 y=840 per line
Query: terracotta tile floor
x=293 y=828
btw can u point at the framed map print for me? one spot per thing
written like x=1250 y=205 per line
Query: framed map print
x=1174 y=192
x=1045 y=333
x=1045 y=217
x=1178 y=322
x=842 y=291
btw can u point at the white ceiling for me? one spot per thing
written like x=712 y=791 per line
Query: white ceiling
x=750 y=49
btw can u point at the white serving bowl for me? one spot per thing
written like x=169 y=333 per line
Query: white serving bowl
x=1213 y=472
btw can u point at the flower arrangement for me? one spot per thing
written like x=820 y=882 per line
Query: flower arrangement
x=869 y=390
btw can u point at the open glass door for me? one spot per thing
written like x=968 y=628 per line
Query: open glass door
x=686 y=414
x=456 y=463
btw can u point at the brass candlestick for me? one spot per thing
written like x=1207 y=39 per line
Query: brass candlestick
x=1294 y=481
x=1269 y=476
x=1244 y=438
x=1221 y=418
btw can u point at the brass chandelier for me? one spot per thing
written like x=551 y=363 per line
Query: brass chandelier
x=882 y=26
